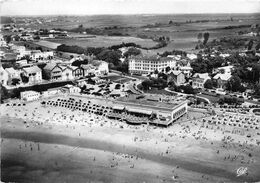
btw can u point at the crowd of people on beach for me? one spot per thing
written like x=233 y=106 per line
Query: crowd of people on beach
x=217 y=130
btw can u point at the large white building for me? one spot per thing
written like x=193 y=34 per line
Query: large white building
x=148 y=64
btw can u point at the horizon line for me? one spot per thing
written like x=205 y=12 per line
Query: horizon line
x=129 y=14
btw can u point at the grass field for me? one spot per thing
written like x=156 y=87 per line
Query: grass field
x=183 y=35
x=104 y=41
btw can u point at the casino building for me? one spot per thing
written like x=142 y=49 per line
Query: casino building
x=133 y=109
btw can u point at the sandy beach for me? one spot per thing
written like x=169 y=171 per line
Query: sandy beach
x=54 y=144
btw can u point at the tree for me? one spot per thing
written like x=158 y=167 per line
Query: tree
x=26 y=57
x=199 y=37
x=156 y=71
x=8 y=38
x=3 y=93
x=206 y=38
x=208 y=84
x=257 y=47
x=37 y=37
x=118 y=86
x=162 y=75
x=167 y=69
x=250 y=44
x=234 y=84
x=187 y=89
x=78 y=63
x=15 y=81
x=132 y=51
x=257 y=89
x=110 y=56
x=146 y=84
x=24 y=78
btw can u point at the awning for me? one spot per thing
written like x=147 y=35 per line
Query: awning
x=138 y=110
x=118 y=107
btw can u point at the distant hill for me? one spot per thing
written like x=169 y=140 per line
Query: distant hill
x=6 y=20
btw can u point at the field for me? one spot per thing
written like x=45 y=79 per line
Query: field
x=182 y=32
x=103 y=41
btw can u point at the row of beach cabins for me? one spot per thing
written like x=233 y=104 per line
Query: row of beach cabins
x=116 y=111
x=235 y=120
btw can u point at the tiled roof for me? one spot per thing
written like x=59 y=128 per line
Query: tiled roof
x=201 y=75
x=11 y=70
x=32 y=69
x=50 y=66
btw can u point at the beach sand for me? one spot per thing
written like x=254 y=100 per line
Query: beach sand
x=53 y=144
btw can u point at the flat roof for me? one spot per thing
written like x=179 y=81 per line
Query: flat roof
x=152 y=104
x=160 y=107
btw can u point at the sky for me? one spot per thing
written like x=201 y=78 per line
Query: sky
x=94 y=7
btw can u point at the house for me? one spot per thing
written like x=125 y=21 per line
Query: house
x=199 y=79
x=70 y=89
x=3 y=76
x=17 y=49
x=52 y=71
x=177 y=77
x=2 y=41
x=22 y=54
x=51 y=92
x=192 y=56
x=33 y=73
x=186 y=70
x=224 y=55
x=222 y=79
x=12 y=73
x=225 y=69
x=67 y=73
x=22 y=63
x=101 y=67
x=30 y=95
x=77 y=72
x=89 y=70
x=37 y=55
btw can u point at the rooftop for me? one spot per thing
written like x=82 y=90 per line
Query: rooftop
x=11 y=70
x=32 y=69
x=50 y=66
x=224 y=77
x=151 y=58
x=201 y=75
x=155 y=104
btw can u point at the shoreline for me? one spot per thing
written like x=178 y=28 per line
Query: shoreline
x=89 y=143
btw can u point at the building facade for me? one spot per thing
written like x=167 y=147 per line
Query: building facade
x=177 y=77
x=222 y=79
x=30 y=95
x=199 y=79
x=33 y=73
x=148 y=64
